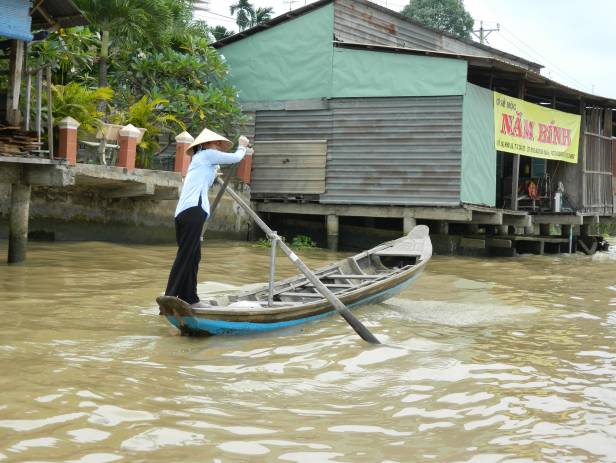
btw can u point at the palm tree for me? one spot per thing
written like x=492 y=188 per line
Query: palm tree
x=124 y=21
x=262 y=15
x=245 y=16
x=220 y=32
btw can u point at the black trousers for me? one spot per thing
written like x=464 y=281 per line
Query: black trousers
x=183 y=277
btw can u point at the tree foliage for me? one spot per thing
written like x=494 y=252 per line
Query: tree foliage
x=71 y=52
x=246 y=16
x=445 y=15
x=221 y=32
x=79 y=102
x=262 y=15
x=119 y=22
x=164 y=74
x=192 y=79
x=154 y=116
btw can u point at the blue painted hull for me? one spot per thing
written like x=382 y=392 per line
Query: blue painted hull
x=207 y=326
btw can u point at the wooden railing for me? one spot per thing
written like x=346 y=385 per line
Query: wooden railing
x=38 y=101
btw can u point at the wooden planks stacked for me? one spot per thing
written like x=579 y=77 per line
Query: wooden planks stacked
x=15 y=141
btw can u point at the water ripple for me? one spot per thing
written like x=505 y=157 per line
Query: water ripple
x=505 y=360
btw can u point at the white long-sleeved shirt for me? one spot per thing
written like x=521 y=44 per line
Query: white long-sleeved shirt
x=200 y=176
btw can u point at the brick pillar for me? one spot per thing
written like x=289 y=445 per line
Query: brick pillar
x=128 y=146
x=68 y=140
x=182 y=159
x=244 y=169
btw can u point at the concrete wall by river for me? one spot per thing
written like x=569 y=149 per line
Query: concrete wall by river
x=78 y=214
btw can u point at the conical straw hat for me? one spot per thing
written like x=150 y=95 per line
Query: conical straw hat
x=207 y=135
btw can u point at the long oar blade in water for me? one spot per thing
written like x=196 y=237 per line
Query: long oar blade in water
x=358 y=326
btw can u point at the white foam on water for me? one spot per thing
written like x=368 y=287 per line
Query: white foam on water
x=27 y=444
x=110 y=415
x=581 y=315
x=373 y=356
x=157 y=438
x=30 y=425
x=243 y=448
x=604 y=256
x=311 y=457
x=457 y=314
x=88 y=435
x=97 y=458
x=463 y=283
x=364 y=429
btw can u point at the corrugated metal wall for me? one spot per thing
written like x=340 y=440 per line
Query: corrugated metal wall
x=15 y=19
x=293 y=125
x=356 y=22
x=290 y=167
x=598 y=161
x=404 y=151
x=614 y=165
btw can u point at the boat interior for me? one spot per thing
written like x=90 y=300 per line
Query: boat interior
x=346 y=276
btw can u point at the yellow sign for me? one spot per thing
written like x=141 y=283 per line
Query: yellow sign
x=531 y=130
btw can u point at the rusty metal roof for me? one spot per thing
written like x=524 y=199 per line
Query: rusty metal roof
x=318 y=4
x=48 y=14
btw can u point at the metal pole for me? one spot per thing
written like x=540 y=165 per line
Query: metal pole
x=359 y=328
x=272 y=274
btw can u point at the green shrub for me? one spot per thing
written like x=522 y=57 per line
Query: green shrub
x=152 y=115
x=80 y=103
x=267 y=243
x=303 y=241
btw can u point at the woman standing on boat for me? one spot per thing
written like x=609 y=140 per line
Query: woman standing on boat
x=193 y=209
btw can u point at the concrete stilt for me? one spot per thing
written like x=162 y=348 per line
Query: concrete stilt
x=333 y=228
x=443 y=228
x=408 y=223
x=544 y=229
x=18 y=222
x=253 y=228
x=567 y=232
x=502 y=229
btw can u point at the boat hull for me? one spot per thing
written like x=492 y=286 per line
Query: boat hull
x=203 y=326
x=365 y=278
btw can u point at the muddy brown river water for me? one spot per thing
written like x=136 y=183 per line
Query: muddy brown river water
x=499 y=360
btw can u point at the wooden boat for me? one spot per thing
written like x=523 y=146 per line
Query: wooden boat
x=369 y=277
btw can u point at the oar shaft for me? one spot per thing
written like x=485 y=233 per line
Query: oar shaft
x=319 y=286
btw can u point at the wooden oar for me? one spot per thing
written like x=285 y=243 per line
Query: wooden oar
x=359 y=328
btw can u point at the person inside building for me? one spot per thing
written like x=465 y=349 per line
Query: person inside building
x=193 y=208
